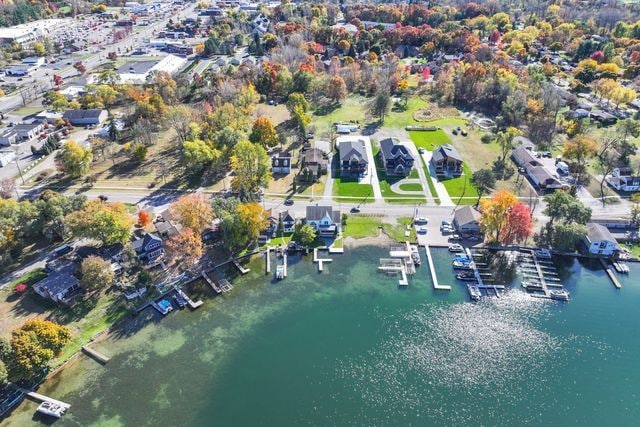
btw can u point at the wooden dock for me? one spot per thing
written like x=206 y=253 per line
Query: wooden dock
x=193 y=305
x=268 y=260
x=611 y=274
x=95 y=354
x=284 y=258
x=432 y=270
x=211 y=283
x=240 y=268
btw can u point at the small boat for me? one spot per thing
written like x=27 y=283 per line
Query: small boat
x=463 y=265
x=51 y=409
x=165 y=306
x=543 y=253
x=462 y=258
x=180 y=300
x=531 y=285
x=560 y=295
x=456 y=248
x=467 y=276
x=474 y=292
x=280 y=272
x=415 y=256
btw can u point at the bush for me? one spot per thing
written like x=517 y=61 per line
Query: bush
x=486 y=138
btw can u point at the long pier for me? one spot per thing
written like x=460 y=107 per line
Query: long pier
x=434 y=276
x=268 y=260
x=611 y=274
x=95 y=354
x=211 y=283
x=284 y=258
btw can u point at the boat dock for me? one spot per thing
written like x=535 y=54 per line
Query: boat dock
x=42 y=398
x=611 y=274
x=432 y=270
x=320 y=261
x=225 y=285
x=393 y=266
x=95 y=354
x=284 y=260
x=268 y=260
x=620 y=267
x=211 y=283
x=239 y=267
x=193 y=305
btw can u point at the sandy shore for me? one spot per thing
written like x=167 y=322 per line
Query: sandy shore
x=379 y=240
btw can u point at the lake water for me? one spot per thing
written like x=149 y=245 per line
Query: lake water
x=348 y=347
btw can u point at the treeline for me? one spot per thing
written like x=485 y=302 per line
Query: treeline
x=21 y=11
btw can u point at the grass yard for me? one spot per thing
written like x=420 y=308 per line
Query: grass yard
x=390 y=196
x=456 y=188
x=429 y=140
x=28 y=279
x=397 y=231
x=282 y=240
x=359 y=227
x=351 y=189
x=411 y=186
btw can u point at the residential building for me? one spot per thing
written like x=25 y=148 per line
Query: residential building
x=603 y=118
x=281 y=163
x=8 y=136
x=467 y=220
x=271 y=228
x=314 y=165
x=353 y=158
x=72 y=92
x=148 y=248
x=287 y=222
x=60 y=285
x=85 y=117
x=48 y=116
x=539 y=175
x=599 y=240
x=396 y=157
x=623 y=179
x=166 y=226
x=324 y=219
x=447 y=161
x=28 y=131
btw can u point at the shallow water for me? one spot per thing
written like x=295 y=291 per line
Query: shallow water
x=349 y=347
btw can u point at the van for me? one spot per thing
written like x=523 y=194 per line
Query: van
x=62 y=250
x=563 y=168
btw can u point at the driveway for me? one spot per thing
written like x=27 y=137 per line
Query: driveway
x=372 y=177
x=443 y=194
x=423 y=179
x=395 y=187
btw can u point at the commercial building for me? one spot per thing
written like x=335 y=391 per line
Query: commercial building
x=137 y=72
x=85 y=117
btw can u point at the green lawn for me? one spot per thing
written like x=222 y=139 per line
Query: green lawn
x=283 y=240
x=396 y=232
x=429 y=140
x=456 y=187
x=362 y=226
x=411 y=186
x=352 y=189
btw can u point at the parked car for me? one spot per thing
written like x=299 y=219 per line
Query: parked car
x=473 y=238
x=355 y=209
x=103 y=198
x=422 y=230
x=455 y=238
x=421 y=220
x=62 y=250
x=288 y=202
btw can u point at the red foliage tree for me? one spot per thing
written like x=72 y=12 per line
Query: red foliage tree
x=519 y=225
x=495 y=37
x=57 y=80
x=598 y=56
x=144 y=219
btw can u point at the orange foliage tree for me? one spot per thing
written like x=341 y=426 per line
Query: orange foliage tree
x=495 y=213
x=186 y=246
x=144 y=219
x=192 y=211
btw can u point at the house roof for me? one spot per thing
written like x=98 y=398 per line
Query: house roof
x=391 y=149
x=354 y=148
x=598 y=232
x=446 y=151
x=82 y=114
x=140 y=244
x=7 y=132
x=466 y=215
x=26 y=127
x=315 y=213
x=286 y=216
x=59 y=281
x=314 y=155
x=524 y=157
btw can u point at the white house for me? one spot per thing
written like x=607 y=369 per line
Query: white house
x=623 y=179
x=599 y=240
x=324 y=219
x=281 y=163
x=28 y=131
x=85 y=117
x=8 y=136
x=467 y=220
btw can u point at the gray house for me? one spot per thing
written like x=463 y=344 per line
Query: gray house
x=600 y=241
x=28 y=131
x=396 y=158
x=60 y=285
x=85 y=117
x=148 y=248
x=447 y=161
x=281 y=163
x=8 y=136
x=467 y=220
x=353 y=158
x=324 y=219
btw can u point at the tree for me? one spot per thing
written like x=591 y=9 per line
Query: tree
x=198 y=154
x=251 y=166
x=51 y=209
x=580 y=149
x=144 y=219
x=264 y=133
x=108 y=222
x=192 y=211
x=518 y=226
x=180 y=117
x=495 y=213
x=380 y=104
x=57 y=80
x=39 y=49
x=96 y=273
x=252 y=218
x=114 y=132
x=484 y=180
x=3 y=373
x=7 y=187
x=74 y=160
x=505 y=140
x=187 y=245
x=336 y=89
x=635 y=209
x=306 y=234
x=80 y=68
x=566 y=236
x=33 y=345
x=297 y=101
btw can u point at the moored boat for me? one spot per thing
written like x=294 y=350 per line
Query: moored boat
x=415 y=255
x=466 y=276
x=543 y=253
x=51 y=409
x=560 y=295
x=280 y=272
x=474 y=292
x=456 y=248
x=463 y=265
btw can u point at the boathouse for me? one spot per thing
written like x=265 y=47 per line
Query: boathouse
x=599 y=240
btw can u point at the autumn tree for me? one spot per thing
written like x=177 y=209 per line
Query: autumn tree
x=567 y=219
x=198 y=154
x=241 y=223
x=187 y=246
x=251 y=167
x=495 y=213
x=518 y=226
x=484 y=180
x=108 y=222
x=192 y=211
x=8 y=187
x=144 y=219
x=264 y=133
x=180 y=117
x=252 y=218
x=580 y=150
x=336 y=89
x=33 y=345
x=96 y=273
x=74 y=159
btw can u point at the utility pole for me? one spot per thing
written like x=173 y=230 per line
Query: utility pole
x=19 y=170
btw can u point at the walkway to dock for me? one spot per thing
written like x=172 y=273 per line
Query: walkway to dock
x=611 y=274
x=211 y=283
x=284 y=256
x=268 y=260
x=432 y=269
x=95 y=354
x=42 y=398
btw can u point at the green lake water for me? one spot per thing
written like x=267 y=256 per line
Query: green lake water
x=348 y=347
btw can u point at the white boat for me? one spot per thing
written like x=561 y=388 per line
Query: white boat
x=280 y=272
x=560 y=295
x=531 y=285
x=463 y=265
x=543 y=253
x=474 y=292
x=51 y=409
x=456 y=248
x=415 y=256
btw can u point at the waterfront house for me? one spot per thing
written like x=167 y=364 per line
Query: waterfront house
x=353 y=157
x=166 y=226
x=396 y=158
x=89 y=117
x=599 y=240
x=281 y=163
x=324 y=219
x=272 y=226
x=539 y=175
x=314 y=164
x=623 y=179
x=287 y=222
x=467 y=220
x=60 y=285
x=148 y=248
x=447 y=161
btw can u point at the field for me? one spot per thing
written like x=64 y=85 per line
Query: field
x=359 y=227
x=349 y=188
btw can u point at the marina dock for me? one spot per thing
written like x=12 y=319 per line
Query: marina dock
x=432 y=270
x=320 y=261
x=611 y=274
x=268 y=260
x=284 y=257
x=211 y=283
x=94 y=354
